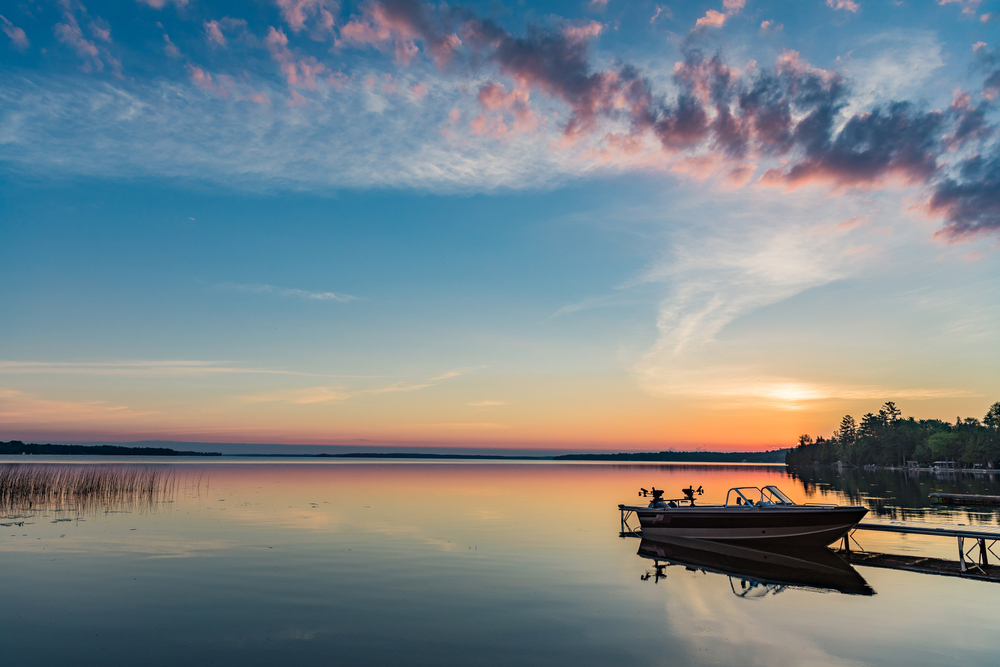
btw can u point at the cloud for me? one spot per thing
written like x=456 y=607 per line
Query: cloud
x=661 y=10
x=170 y=48
x=451 y=374
x=17 y=37
x=69 y=32
x=20 y=408
x=297 y=12
x=160 y=4
x=971 y=202
x=845 y=5
x=741 y=386
x=213 y=33
x=546 y=113
x=716 y=19
x=281 y=291
x=401 y=24
x=305 y=396
x=324 y=394
x=167 y=368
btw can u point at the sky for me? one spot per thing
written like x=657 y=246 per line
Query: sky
x=563 y=226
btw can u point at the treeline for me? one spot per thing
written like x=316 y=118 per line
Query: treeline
x=18 y=447
x=773 y=456
x=889 y=439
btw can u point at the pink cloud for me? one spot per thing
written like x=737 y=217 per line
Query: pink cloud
x=16 y=35
x=337 y=80
x=711 y=19
x=101 y=30
x=213 y=33
x=716 y=19
x=296 y=99
x=720 y=124
x=846 y=5
x=419 y=90
x=160 y=4
x=852 y=223
x=260 y=98
x=493 y=97
x=598 y=4
x=170 y=48
x=661 y=10
x=300 y=72
x=402 y=24
x=297 y=12
x=203 y=79
x=69 y=33
x=582 y=32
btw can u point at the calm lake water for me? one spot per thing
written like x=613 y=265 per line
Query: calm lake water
x=293 y=562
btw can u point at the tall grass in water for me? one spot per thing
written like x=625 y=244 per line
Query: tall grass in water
x=82 y=487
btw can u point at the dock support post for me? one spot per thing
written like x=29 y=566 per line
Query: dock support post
x=847 y=542
x=983 y=560
x=961 y=553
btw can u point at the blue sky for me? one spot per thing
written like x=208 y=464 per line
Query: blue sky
x=572 y=225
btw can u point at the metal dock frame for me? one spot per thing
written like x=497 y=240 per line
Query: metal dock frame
x=626 y=529
x=961 y=532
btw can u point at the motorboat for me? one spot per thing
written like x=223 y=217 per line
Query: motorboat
x=756 y=568
x=749 y=513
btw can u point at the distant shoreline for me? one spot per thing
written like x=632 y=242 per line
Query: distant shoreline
x=16 y=447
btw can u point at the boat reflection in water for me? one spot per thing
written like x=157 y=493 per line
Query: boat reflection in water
x=758 y=570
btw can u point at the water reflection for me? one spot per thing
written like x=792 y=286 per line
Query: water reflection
x=758 y=570
x=901 y=494
x=302 y=563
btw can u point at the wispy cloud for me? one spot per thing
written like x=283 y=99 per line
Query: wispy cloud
x=459 y=425
x=324 y=394
x=138 y=368
x=17 y=407
x=283 y=291
x=741 y=386
x=451 y=374
x=304 y=396
x=16 y=35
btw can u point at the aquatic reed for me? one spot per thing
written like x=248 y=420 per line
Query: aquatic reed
x=81 y=487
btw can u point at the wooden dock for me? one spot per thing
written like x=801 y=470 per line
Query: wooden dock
x=964 y=499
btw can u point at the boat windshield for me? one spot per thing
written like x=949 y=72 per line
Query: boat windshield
x=744 y=495
x=774 y=495
x=751 y=496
